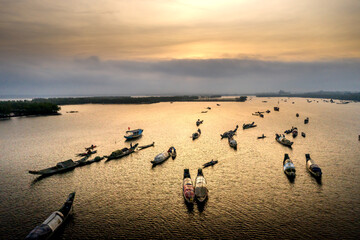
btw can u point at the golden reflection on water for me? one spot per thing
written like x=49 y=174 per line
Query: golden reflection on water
x=249 y=195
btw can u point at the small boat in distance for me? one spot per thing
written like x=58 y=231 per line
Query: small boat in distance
x=132 y=134
x=198 y=122
x=297 y=115
x=201 y=191
x=59 y=168
x=303 y=134
x=289 y=168
x=306 y=121
x=276 y=109
x=261 y=137
x=229 y=133
x=161 y=157
x=204 y=111
x=267 y=111
x=217 y=104
x=90 y=148
x=313 y=168
x=249 y=125
x=188 y=188
x=53 y=222
x=196 y=135
x=88 y=153
x=121 y=153
x=146 y=146
x=211 y=163
x=294 y=132
x=281 y=139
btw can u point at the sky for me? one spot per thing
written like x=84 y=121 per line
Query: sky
x=137 y=47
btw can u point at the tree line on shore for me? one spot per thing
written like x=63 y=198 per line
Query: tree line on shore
x=26 y=108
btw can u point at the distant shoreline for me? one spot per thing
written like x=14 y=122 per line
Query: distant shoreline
x=345 y=96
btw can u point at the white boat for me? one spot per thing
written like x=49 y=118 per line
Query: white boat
x=289 y=167
x=201 y=191
x=161 y=157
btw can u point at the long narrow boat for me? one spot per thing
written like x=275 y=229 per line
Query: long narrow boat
x=201 y=191
x=312 y=167
x=161 y=157
x=229 y=133
x=59 y=168
x=53 y=222
x=211 y=163
x=132 y=134
x=146 y=146
x=249 y=125
x=188 y=188
x=88 y=153
x=121 y=153
x=281 y=139
x=289 y=167
x=90 y=148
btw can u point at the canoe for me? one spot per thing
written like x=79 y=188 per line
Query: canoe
x=201 y=191
x=281 y=139
x=146 y=146
x=188 y=188
x=53 y=222
x=59 y=168
x=132 y=134
x=249 y=125
x=312 y=167
x=211 y=163
x=161 y=157
x=122 y=153
x=261 y=137
x=90 y=148
x=289 y=167
x=88 y=153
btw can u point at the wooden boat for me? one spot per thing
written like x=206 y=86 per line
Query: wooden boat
x=294 y=132
x=196 y=135
x=96 y=159
x=121 y=153
x=198 y=122
x=161 y=157
x=313 y=168
x=261 y=137
x=208 y=108
x=211 y=163
x=59 y=168
x=88 y=153
x=303 y=134
x=201 y=191
x=289 y=168
x=172 y=152
x=267 y=111
x=288 y=131
x=232 y=143
x=276 y=109
x=297 y=115
x=146 y=146
x=204 y=111
x=188 y=188
x=249 y=125
x=281 y=139
x=53 y=222
x=306 y=121
x=229 y=133
x=217 y=104
x=132 y=134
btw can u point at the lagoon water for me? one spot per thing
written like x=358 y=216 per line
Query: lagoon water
x=249 y=194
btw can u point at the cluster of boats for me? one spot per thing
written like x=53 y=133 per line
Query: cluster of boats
x=311 y=166
x=199 y=192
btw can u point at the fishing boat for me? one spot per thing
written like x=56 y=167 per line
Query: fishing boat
x=232 y=143
x=198 y=122
x=267 y=111
x=281 y=139
x=258 y=114
x=229 y=133
x=88 y=153
x=196 y=135
x=288 y=131
x=303 y=134
x=289 y=168
x=161 y=157
x=313 y=168
x=146 y=146
x=217 y=104
x=208 y=108
x=249 y=125
x=59 y=168
x=294 y=132
x=297 y=115
x=53 y=222
x=211 y=163
x=306 y=121
x=188 y=188
x=132 y=134
x=96 y=159
x=201 y=191
x=261 y=137
x=121 y=153
x=276 y=109
x=172 y=152
x=204 y=111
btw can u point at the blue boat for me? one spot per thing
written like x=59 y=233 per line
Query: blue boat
x=132 y=134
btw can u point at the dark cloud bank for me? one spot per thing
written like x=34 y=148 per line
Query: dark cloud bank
x=93 y=76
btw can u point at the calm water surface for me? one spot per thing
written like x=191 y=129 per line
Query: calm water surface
x=249 y=195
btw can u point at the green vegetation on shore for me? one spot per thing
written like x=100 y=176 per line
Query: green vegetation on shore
x=350 y=96
x=26 y=108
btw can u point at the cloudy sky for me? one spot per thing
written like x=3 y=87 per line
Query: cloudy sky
x=118 y=47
